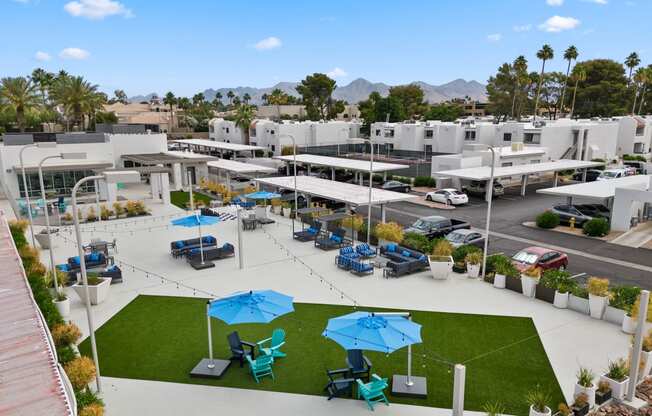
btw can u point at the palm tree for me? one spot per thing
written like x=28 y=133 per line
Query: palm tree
x=648 y=79
x=170 y=100
x=570 y=55
x=198 y=99
x=184 y=104
x=545 y=53
x=632 y=62
x=236 y=101
x=264 y=97
x=520 y=71
x=20 y=94
x=244 y=115
x=77 y=97
x=640 y=79
x=246 y=97
x=218 y=95
x=578 y=75
x=230 y=96
x=43 y=79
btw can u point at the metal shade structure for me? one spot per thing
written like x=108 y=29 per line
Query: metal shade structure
x=196 y=220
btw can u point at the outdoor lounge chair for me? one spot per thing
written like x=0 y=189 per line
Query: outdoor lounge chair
x=213 y=253
x=309 y=234
x=261 y=216
x=261 y=367
x=361 y=268
x=335 y=240
x=373 y=392
x=339 y=385
x=237 y=347
x=276 y=341
x=365 y=251
x=182 y=247
x=114 y=273
x=359 y=365
x=343 y=262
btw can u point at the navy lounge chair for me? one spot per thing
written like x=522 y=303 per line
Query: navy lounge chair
x=309 y=234
x=365 y=251
x=238 y=351
x=359 y=365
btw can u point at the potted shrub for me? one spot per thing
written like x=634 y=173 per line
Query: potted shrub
x=493 y=409
x=459 y=256
x=67 y=218
x=563 y=410
x=578 y=300
x=630 y=322
x=276 y=206
x=105 y=213
x=554 y=287
x=580 y=406
x=502 y=267
x=473 y=262
x=141 y=209
x=513 y=277
x=598 y=295
x=563 y=292
x=441 y=259
x=98 y=289
x=617 y=377
x=286 y=210
x=90 y=215
x=646 y=357
x=603 y=393
x=389 y=232
x=529 y=279
x=118 y=209
x=621 y=302
x=538 y=401
x=65 y=334
x=60 y=300
x=585 y=385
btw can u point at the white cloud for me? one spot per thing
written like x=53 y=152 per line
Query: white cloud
x=42 y=56
x=337 y=72
x=559 y=24
x=74 y=53
x=554 y=3
x=271 y=42
x=523 y=28
x=494 y=37
x=97 y=9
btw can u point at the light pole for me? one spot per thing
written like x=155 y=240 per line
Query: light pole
x=40 y=145
x=294 y=161
x=53 y=268
x=109 y=177
x=489 y=197
x=371 y=181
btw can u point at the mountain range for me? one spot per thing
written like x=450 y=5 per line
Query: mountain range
x=356 y=91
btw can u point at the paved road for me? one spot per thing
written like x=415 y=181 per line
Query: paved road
x=620 y=264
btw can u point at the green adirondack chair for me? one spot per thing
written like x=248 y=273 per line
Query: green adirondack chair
x=261 y=367
x=373 y=392
x=275 y=343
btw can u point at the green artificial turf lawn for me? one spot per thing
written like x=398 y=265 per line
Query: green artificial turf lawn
x=181 y=198
x=162 y=338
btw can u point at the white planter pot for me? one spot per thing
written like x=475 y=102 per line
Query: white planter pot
x=646 y=358
x=286 y=212
x=473 y=270
x=597 y=305
x=547 y=412
x=97 y=293
x=561 y=300
x=529 y=285
x=42 y=239
x=618 y=388
x=614 y=315
x=441 y=268
x=629 y=325
x=276 y=209
x=63 y=306
x=499 y=281
x=578 y=304
x=589 y=391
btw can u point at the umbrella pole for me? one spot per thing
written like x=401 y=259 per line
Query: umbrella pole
x=210 y=339
x=408 y=380
x=201 y=244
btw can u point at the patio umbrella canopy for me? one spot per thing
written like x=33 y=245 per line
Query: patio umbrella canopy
x=373 y=331
x=196 y=220
x=255 y=306
x=262 y=195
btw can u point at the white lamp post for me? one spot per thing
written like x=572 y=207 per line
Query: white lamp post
x=40 y=145
x=109 y=177
x=489 y=197
x=294 y=158
x=45 y=205
x=371 y=181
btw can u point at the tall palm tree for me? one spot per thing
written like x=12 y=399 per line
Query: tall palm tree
x=640 y=79
x=578 y=75
x=20 y=94
x=264 y=97
x=545 y=54
x=198 y=99
x=648 y=79
x=570 y=55
x=218 y=95
x=632 y=62
x=77 y=97
x=520 y=73
x=43 y=79
x=246 y=97
x=230 y=96
x=170 y=100
x=244 y=115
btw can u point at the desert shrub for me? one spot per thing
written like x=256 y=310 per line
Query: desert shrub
x=474 y=257
x=94 y=409
x=67 y=217
x=140 y=208
x=105 y=212
x=636 y=308
x=403 y=179
x=638 y=158
x=18 y=228
x=442 y=248
x=624 y=297
x=43 y=299
x=131 y=208
x=65 y=334
x=119 y=209
x=389 y=231
x=86 y=398
x=557 y=279
x=91 y=216
x=418 y=242
x=66 y=354
x=503 y=265
x=352 y=221
x=580 y=292
x=598 y=286
x=426 y=181
x=538 y=399
x=460 y=253
x=596 y=227
x=547 y=220
x=80 y=371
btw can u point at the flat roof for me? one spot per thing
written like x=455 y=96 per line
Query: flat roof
x=597 y=189
x=482 y=173
x=239 y=167
x=168 y=157
x=31 y=380
x=336 y=191
x=219 y=145
x=52 y=165
x=342 y=163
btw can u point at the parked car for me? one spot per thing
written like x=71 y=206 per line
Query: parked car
x=479 y=188
x=612 y=174
x=436 y=226
x=448 y=196
x=594 y=210
x=591 y=175
x=641 y=167
x=461 y=237
x=543 y=258
x=396 y=186
x=566 y=212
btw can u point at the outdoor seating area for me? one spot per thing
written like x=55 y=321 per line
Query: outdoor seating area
x=309 y=234
x=333 y=240
x=402 y=260
x=92 y=260
x=210 y=253
x=350 y=259
x=182 y=248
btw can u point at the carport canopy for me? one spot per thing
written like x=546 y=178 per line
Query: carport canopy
x=233 y=166
x=197 y=144
x=598 y=190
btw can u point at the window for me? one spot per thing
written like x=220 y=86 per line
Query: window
x=532 y=138
x=273 y=148
x=428 y=148
x=469 y=135
x=507 y=137
x=377 y=132
x=639 y=147
x=640 y=130
x=227 y=130
x=252 y=132
x=430 y=134
x=506 y=164
x=271 y=132
x=57 y=183
x=389 y=132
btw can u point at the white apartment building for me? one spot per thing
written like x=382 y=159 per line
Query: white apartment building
x=274 y=135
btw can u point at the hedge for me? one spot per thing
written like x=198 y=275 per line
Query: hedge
x=597 y=227
x=425 y=181
x=547 y=220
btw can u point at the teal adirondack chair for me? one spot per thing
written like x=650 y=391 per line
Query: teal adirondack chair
x=275 y=343
x=373 y=392
x=261 y=367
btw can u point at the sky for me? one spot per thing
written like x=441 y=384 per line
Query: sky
x=187 y=46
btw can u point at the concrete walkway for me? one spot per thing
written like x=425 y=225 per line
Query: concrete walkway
x=636 y=237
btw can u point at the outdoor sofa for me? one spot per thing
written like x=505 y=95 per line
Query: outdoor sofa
x=402 y=260
x=113 y=272
x=212 y=253
x=309 y=234
x=335 y=240
x=349 y=259
x=92 y=260
x=182 y=247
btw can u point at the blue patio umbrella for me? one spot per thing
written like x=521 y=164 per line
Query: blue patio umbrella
x=255 y=306
x=196 y=220
x=263 y=195
x=385 y=332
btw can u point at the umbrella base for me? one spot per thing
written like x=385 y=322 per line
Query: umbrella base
x=418 y=389
x=201 y=266
x=201 y=370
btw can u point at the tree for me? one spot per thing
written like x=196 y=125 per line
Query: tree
x=551 y=93
x=578 y=75
x=631 y=62
x=198 y=99
x=570 y=55
x=106 y=117
x=519 y=68
x=640 y=80
x=544 y=54
x=20 y=95
x=264 y=98
x=170 y=100
x=444 y=112
x=218 y=96
x=316 y=91
x=244 y=115
x=411 y=98
x=78 y=97
x=246 y=97
x=236 y=101
x=230 y=96
x=501 y=91
x=648 y=80
x=121 y=96
x=43 y=80
x=604 y=92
